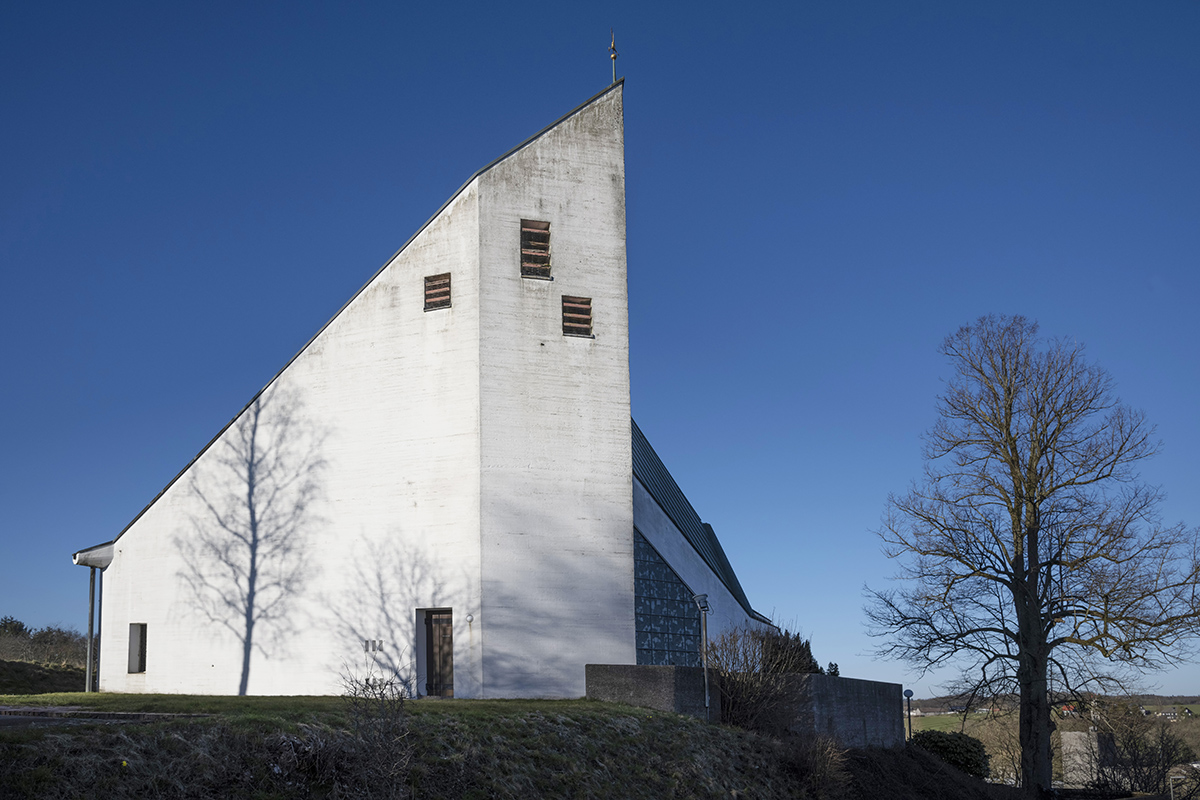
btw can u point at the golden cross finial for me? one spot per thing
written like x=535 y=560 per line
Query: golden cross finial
x=612 y=48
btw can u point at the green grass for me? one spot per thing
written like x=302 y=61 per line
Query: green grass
x=323 y=709
x=175 y=703
x=948 y=723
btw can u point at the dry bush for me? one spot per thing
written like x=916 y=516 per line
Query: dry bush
x=751 y=664
x=375 y=706
x=1136 y=752
x=818 y=765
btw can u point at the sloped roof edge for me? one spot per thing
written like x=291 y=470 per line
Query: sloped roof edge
x=619 y=83
x=649 y=469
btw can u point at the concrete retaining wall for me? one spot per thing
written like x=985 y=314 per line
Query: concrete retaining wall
x=677 y=689
x=854 y=712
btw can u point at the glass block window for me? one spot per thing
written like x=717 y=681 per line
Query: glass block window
x=666 y=620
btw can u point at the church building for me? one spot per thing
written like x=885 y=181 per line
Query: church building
x=445 y=483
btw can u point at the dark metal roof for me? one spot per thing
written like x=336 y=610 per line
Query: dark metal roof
x=650 y=470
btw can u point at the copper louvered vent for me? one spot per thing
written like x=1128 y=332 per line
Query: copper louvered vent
x=437 y=291
x=535 y=249
x=577 y=316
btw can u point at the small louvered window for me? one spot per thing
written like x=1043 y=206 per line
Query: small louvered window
x=577 y=316
x=437 y=291
x=535 y=249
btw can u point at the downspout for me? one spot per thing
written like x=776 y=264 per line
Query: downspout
x=99 y=627
x=98 y=557
x=87 y=687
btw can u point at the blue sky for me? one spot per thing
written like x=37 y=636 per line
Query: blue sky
x=818 y=193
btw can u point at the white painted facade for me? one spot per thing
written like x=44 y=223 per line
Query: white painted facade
x=473 y=459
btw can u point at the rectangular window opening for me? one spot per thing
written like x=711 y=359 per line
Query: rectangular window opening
x=437 y=291
x=137 y=647
x=577 y=316
x=535 y=249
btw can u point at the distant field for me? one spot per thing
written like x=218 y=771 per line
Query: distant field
x=939 y=722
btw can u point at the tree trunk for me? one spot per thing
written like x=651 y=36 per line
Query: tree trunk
x=247 y=646
x=1035 y=725
x=252 y=572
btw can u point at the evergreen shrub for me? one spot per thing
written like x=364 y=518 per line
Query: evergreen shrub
x=964 y=753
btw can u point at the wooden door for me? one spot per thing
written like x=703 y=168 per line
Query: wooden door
x=439 y=654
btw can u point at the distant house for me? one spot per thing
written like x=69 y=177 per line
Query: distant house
x=445 y=481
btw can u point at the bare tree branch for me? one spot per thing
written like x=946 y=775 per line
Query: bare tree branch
x=1031 y=556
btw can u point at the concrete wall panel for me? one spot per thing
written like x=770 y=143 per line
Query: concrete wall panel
x=392 y=394
x=556 y=449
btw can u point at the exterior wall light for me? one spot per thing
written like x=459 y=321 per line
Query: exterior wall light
x=701 y=601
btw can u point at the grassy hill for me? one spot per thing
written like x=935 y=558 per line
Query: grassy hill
x=22 y=677
x=301 y=748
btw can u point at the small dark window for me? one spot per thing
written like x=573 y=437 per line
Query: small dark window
x=577 y=316
x=137 y=647
x=535 y=249
x=437 y=291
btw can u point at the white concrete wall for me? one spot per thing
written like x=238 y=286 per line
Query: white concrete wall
x=557 y=513
x=475 y=459
x=724 y=610
x=395 y=392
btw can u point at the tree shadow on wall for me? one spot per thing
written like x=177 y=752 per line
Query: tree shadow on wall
x=376 y=615
x=255 y=494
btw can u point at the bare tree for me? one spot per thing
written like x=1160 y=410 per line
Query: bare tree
x=375 y=705
x=1032 y=554
x=246 y=553
x=754 y=665
x=392 y=577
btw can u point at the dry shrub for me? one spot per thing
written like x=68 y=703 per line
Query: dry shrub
x=1136 y=752
x=818 y=765
x=751 y=664
x=375 y=705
